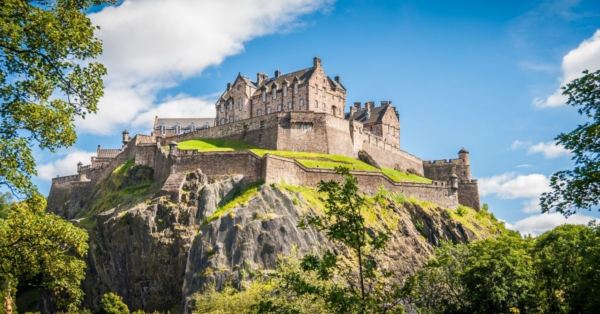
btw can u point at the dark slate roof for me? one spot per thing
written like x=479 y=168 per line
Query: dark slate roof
x=463 y=151
x=302 y=75
x=184 y=122
x=376 y=115
x=336 y=84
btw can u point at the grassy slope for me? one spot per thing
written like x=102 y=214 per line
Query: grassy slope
x=311 y=160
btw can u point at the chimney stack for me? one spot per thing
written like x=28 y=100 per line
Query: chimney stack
x=277 y=73
x=228 y=86
x=357 y=105
x=337 y=79
x=352 y=110
x=384 y=103
x=317 y=62
x=369 y=105
x=261 y=78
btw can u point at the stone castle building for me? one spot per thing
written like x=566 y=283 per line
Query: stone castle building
x=300 y=111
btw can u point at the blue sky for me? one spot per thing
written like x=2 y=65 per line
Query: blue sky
x=476 y=74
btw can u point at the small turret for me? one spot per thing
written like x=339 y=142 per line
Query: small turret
x=126 y=137
x=454 y=181
x=79 y=165
x=463 y=154
x=173 y=148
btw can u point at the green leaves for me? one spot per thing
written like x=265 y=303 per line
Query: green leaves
x=45 y=82
x=579 y=188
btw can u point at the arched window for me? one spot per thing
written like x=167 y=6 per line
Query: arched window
x=290 y=105
x=285 y=91
x=279 y=107
x=268 y=110
x=259 y=112
x=316 y=104
x=301 y=102
x=264 y=95
x=295 y=88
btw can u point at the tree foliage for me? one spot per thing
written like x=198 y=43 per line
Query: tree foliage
x=359 y=285
x=44 y=82
x=43 y=251
x=579 y=188
x=554 y=273
x=112 y=304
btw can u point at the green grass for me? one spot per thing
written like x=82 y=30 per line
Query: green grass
x=240 y=199
x=310 y=160
x=211 y=145
x=482 y=223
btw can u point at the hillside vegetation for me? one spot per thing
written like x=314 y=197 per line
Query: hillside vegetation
x=310 y=160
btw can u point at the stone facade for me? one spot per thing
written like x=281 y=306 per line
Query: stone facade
x=175 y=126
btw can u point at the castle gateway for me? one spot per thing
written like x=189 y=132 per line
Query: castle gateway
x=300 y=111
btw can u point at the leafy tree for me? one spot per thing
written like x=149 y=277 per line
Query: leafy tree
x=112 y=304
x=44 y=83
x=358 y=286
x=42 y=250
x=579 y=188
x=567 y=269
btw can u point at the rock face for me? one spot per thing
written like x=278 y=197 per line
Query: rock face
x=157 y=254
x=366 y=158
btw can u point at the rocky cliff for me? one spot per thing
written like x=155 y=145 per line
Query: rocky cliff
x=157 y=253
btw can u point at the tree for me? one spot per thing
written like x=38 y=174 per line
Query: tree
x=43 y=251
x=358 y=286
x=112 y=304
x=44 y=82
x=579 y=188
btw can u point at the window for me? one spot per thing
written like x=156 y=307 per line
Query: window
x=279 y=107
x=231 y=119
x=316 y=104
x=290 y=105
x=264 y=95
x=274 y=92
x=268 y=110
x=192 y=128
x=163 y=129
x=177 y=129
x=222 y=120
x=324 y=91
x=231 y=104
x=323 y=106
x=316 y=89
x=285 y=91
x=301 y=102
x=259 y=112
x=240 y=104
x=222 y=107
x=295 y=88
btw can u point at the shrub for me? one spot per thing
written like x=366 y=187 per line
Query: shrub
x=419 y=225
x=461 y=210
x=112 y=303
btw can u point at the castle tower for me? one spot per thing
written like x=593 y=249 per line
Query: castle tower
x=463 y=154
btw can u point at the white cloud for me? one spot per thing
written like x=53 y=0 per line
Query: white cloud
x=548 y=149
x=525 y=166
x=538 y=224
x=584 y=57
x=150 y=45
x=64 y=166
x=512 y=186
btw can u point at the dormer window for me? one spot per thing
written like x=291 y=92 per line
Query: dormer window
x=264 y=96
x=163 y=129
x=177 y=129
x=192 y=128
x=295 y=88
x=222 y=107
x=274 y=92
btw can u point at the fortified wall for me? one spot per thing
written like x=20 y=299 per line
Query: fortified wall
x=170 y=166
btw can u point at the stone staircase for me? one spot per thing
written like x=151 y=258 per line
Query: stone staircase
x=172 y=186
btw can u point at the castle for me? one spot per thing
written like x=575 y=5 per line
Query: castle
x=301 y=111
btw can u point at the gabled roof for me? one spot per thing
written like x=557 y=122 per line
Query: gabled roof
x=246 y=80
x=336 y=84
x=302 y=75
x=184 y=122
x=375 y=115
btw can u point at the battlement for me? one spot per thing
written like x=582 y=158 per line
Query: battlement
x=444 y=161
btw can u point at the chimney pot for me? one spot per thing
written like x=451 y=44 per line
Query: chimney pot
x=357 y=105
x=337 y=78
x=317 y=62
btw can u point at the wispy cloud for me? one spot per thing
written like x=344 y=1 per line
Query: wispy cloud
x=152 y=45
x=67 y=165
x=512 y=186
x=550 y=149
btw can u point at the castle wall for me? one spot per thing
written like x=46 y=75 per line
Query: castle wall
x=393 y=158
x=59 y=192
x=217 y=164
x=468 y=194
x=283 y=170
x=442 y=169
